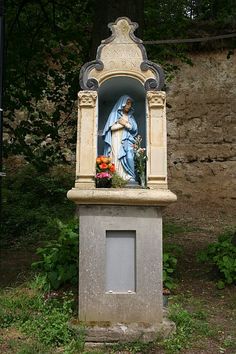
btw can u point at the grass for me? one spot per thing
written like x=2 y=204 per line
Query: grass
x=40 y=324
x=189 y=327
x=41 y=319
x=32 y=347
x=230 y=342
x=35 y=322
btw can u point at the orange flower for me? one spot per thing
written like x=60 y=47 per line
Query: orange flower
x=98 y=160
x=105 y=159
x=112 y=167
x=103 y=166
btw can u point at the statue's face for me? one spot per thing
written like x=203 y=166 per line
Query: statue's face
x=127 y=106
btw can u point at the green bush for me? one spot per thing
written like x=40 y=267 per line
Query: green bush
x=31 y=201
x=170 y=255
x=59 y=258
x=222 y=256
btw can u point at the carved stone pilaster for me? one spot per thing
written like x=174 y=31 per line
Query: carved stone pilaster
x=156 y=99
x=156 y=144
x=87 y=98
x=86 y=140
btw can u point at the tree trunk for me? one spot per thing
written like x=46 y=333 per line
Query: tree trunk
x=108 y=11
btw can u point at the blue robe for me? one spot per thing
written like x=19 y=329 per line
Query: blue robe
x=126 y=151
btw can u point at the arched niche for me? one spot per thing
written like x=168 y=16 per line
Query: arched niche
x=109 y=92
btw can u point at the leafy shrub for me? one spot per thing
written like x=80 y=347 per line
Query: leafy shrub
x=222 y=256
x=170 y=254
x=31 y=200
x=59 y=258
x=169 y=265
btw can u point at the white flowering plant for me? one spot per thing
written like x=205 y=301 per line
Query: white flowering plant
x=140 y=159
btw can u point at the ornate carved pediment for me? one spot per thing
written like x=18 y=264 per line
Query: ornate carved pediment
x=122 y=54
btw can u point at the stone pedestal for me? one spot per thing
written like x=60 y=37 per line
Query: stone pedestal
x=120 y=277
x=120 y=264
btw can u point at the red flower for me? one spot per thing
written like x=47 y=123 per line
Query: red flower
x=112 y=168
x=103 y=166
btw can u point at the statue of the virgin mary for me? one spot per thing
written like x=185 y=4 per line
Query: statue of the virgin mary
x=118 y=134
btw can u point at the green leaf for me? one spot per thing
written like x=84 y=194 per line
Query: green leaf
x=220 y=284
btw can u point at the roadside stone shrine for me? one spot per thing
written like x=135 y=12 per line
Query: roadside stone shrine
x=122 y=135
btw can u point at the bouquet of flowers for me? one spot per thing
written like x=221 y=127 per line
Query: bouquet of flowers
x=140 y=159
x=104 y=171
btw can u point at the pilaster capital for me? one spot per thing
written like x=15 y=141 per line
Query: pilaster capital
x=156 y=99
x=87 y=98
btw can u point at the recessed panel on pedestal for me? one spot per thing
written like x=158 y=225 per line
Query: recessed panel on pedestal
x=120 y=261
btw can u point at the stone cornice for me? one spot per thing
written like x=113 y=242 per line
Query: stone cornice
x=124 y=196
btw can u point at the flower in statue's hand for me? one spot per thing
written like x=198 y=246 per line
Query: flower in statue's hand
x=141 y=150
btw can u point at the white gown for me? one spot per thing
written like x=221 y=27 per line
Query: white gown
x=117 y=133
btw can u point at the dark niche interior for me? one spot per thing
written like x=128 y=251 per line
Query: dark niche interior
x=108 y=94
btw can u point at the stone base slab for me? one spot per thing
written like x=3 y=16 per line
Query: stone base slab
x=124 y=333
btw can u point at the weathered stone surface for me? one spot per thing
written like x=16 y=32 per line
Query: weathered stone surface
x=115 y=196
x=125 y=332
x=201 y=128
x=96 y=302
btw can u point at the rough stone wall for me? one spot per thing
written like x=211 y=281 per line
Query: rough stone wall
x=201 y=129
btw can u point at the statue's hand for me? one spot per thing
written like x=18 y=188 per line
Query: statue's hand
x=117 y=126
x=122 y=121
